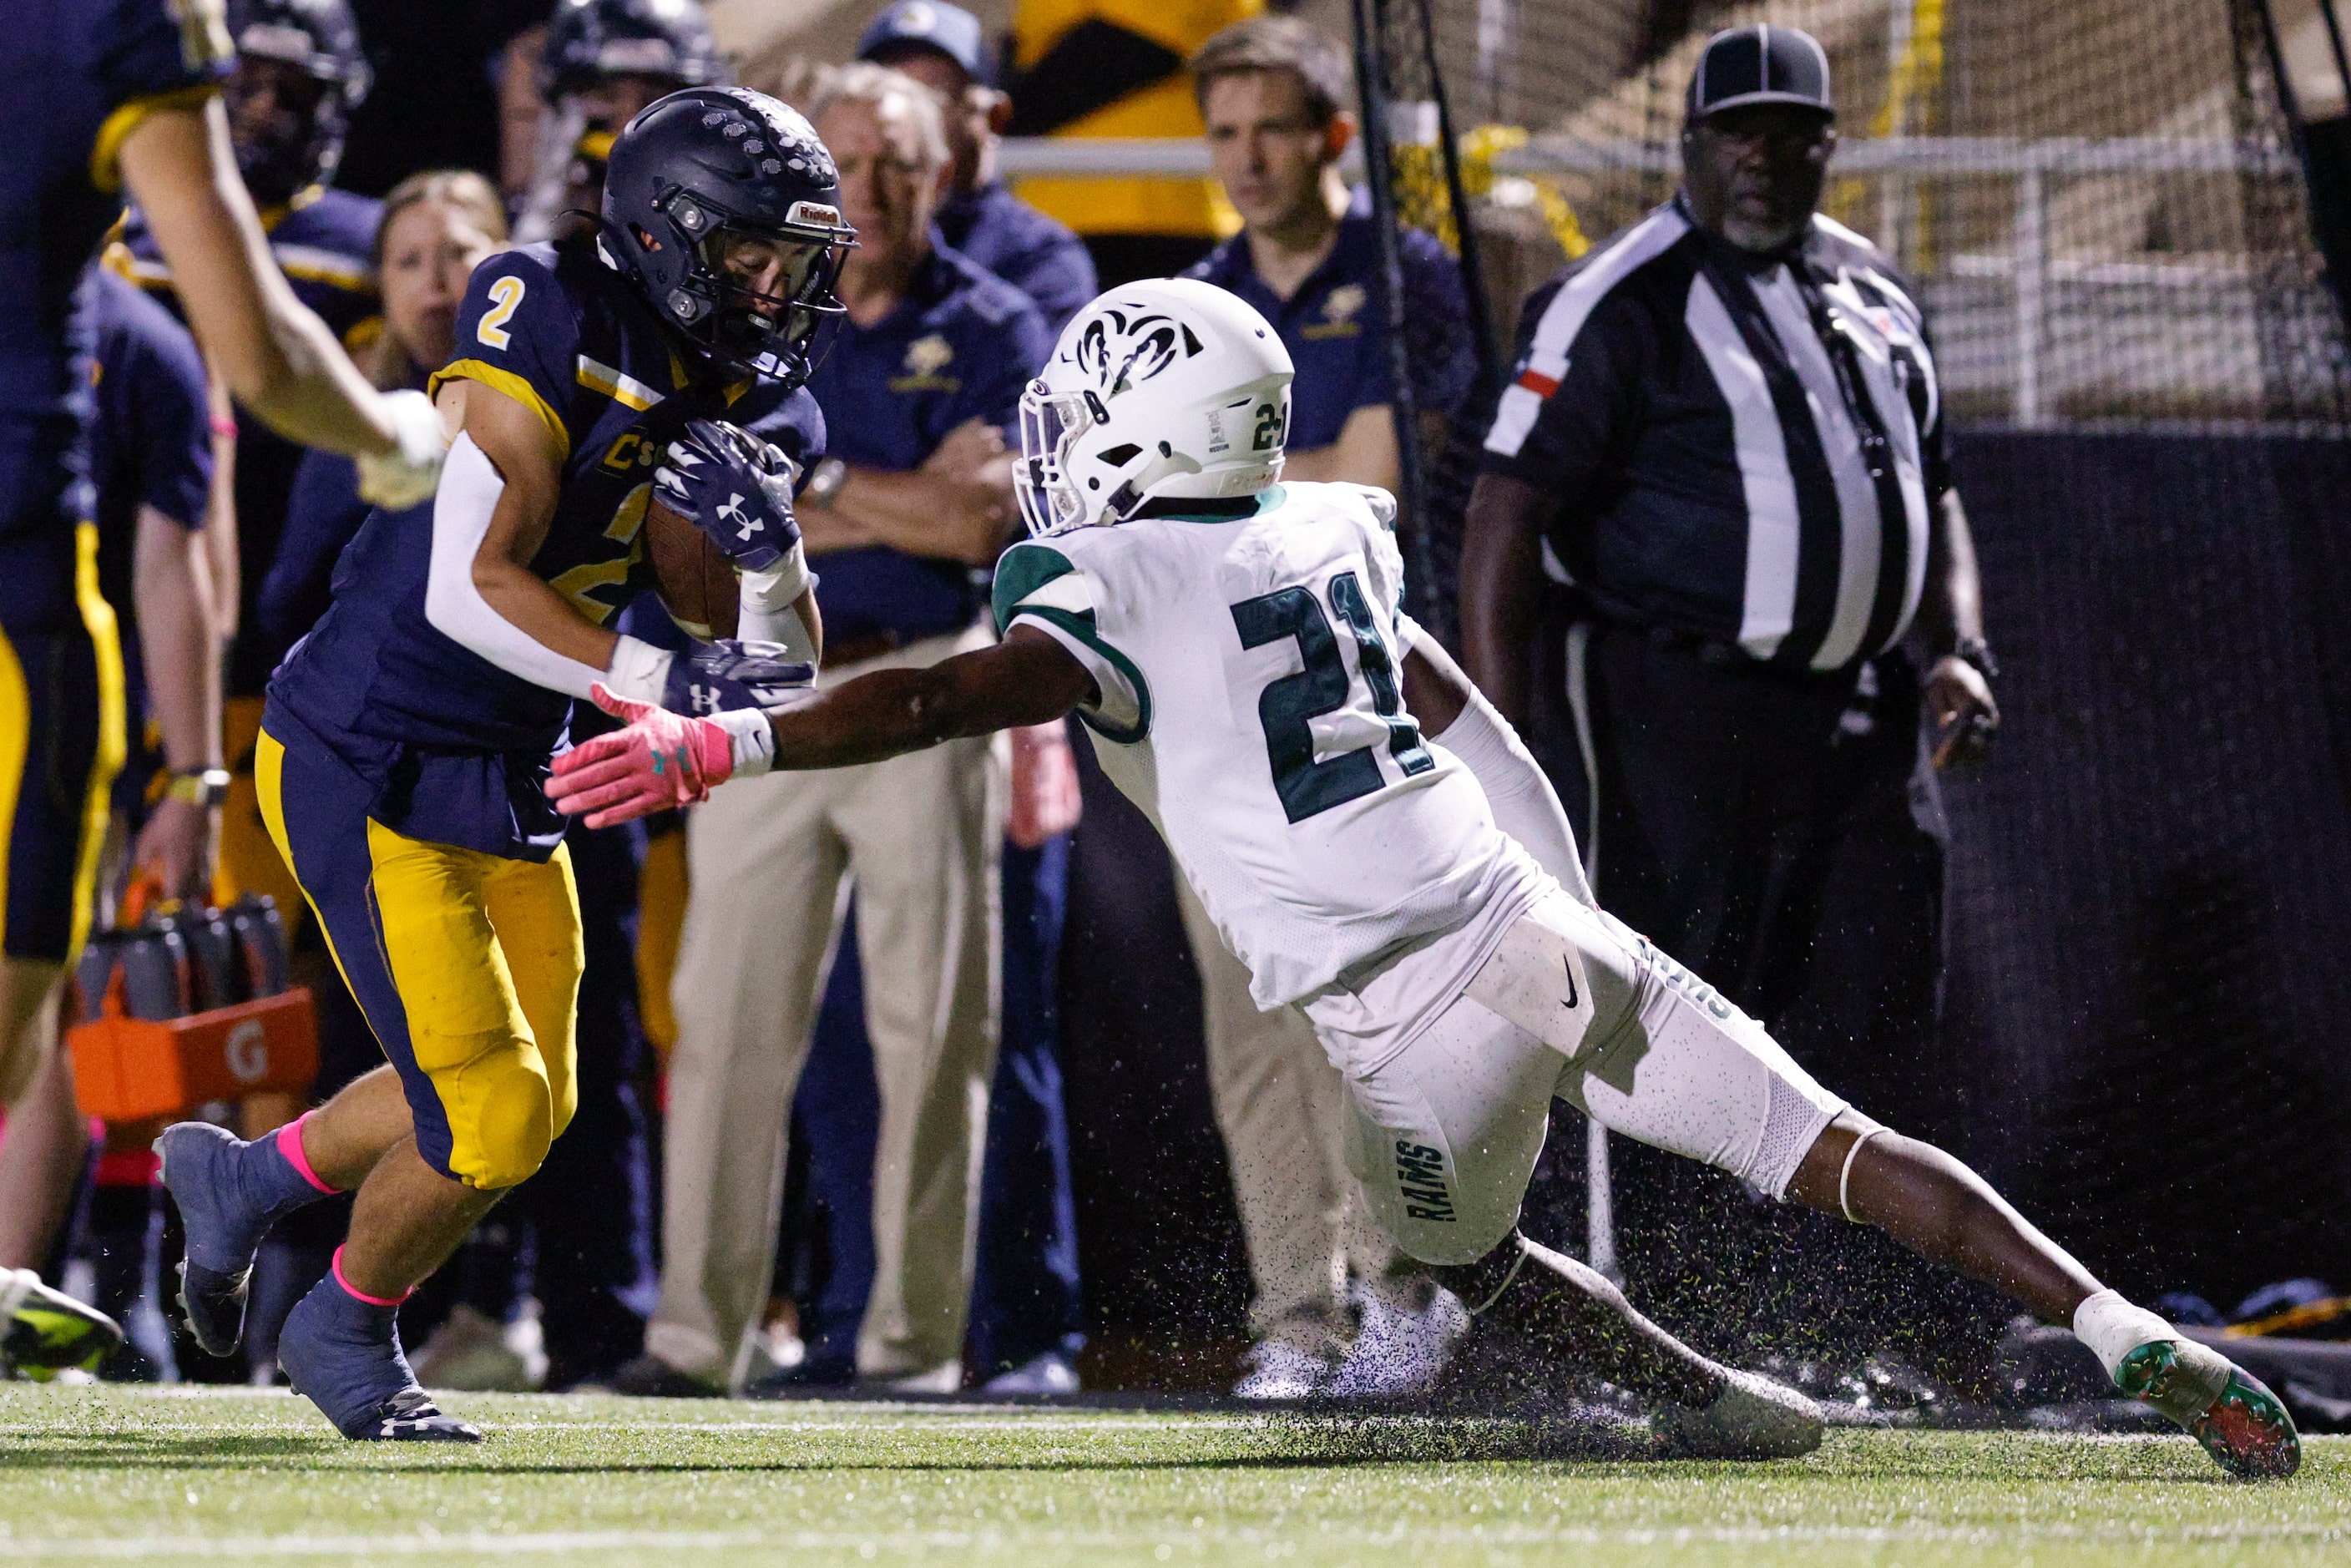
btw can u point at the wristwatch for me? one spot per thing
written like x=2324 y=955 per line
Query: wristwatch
x=1977 y=652
x=198 y=786
x=824 y=483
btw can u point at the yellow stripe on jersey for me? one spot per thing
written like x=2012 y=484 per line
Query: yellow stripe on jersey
x=106 y=151
x=621 y=388
x=15 y=741
x=514 y=386
x=313 y=265
x=97 y=619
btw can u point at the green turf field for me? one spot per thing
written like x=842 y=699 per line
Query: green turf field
x=110 y=1475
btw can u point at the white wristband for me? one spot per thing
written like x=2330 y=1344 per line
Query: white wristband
x=752 y=739
x=780 y=586
x=639 y=671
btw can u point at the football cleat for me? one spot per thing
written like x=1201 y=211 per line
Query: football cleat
x=1280 y=1371
x=229 y=1193
x=343 y=1354
x=1752 y=1418
x=47 y=1331
x=2241 y=1423
x=1399 y=1352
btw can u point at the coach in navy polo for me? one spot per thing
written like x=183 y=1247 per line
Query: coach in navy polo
x=945 y=47
x=1271 y=91
x=902 y=520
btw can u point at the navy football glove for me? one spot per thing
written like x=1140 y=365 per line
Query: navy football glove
x=718 y=677
x=736 y=487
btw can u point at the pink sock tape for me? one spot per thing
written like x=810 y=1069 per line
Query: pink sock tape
x=357 y=1294
x=289 y=1144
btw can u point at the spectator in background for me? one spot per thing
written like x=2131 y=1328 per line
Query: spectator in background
x=601 y=62
x=151 y=463
x=912 y=503
x=1027 y=1313
x=943 y=48
x=299 y=75
x=1271 y=91
x=1087 y=68
x=1724 y=428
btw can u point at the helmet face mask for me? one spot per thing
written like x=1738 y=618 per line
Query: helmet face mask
x=723 y=208
x=1162 y=390
x=304 y=56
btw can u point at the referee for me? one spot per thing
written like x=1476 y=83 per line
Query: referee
x=1716 y=504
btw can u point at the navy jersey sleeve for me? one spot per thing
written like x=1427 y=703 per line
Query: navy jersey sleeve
x=151 y=405
x=519 y=332
x=322 y=516
x=1568 y=406
x=148 y=55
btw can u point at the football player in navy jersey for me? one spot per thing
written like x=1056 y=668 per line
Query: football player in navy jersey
x=98 y=96
x=300 y=74
x=407 y=736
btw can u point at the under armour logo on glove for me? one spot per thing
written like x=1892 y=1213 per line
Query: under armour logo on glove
x=723 y=676
x=737 y=489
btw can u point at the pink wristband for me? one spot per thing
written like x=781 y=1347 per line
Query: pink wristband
x=359 y=1295
x=289 y=1144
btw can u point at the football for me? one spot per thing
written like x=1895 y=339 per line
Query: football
x=690 y=573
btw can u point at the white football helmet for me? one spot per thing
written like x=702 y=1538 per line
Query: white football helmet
x=1166 y=387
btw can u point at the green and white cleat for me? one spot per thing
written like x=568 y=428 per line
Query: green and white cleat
x=47 y=1330
x=2241 y=1423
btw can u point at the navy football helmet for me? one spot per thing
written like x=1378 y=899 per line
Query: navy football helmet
x=306 y=54
x=589 y=41
x=712 y=176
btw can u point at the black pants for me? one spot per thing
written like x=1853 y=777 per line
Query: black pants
x=1784 y=837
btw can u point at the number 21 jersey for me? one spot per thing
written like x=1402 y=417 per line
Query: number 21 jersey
x=1249 y=702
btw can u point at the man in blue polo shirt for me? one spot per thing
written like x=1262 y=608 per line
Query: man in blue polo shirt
x=943 y=48
x=901 y=522
x=1026 y=1316
x=1271 y=91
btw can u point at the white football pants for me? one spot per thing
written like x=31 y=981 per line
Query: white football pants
x=1573 y=1004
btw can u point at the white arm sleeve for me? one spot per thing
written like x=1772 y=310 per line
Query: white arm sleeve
x=469 y=493
x=1522 y=801
x=766 y=612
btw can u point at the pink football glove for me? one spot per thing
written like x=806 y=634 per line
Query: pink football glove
x=663 y=760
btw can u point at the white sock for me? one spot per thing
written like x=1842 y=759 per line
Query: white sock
x=2113 y=1328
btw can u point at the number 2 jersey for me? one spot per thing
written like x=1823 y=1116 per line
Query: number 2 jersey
x=1250 y=703
x=460 y=746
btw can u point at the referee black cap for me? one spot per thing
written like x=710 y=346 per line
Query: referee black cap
x=1760 y=64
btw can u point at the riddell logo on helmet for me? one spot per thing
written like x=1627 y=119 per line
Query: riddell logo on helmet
x=815 y=213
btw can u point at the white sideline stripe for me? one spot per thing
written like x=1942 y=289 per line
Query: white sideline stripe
x=542 y=1543
x=1774 y=526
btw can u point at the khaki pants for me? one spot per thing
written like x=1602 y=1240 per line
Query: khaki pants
x=1284 y=1114
x=768 y=860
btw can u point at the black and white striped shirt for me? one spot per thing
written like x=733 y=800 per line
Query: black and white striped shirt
x=1748 y=448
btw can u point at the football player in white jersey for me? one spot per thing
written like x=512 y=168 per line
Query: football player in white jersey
x=1237 y=649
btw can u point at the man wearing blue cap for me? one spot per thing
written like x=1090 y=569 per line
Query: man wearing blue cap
x=943 y=48
x=1724 y=430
